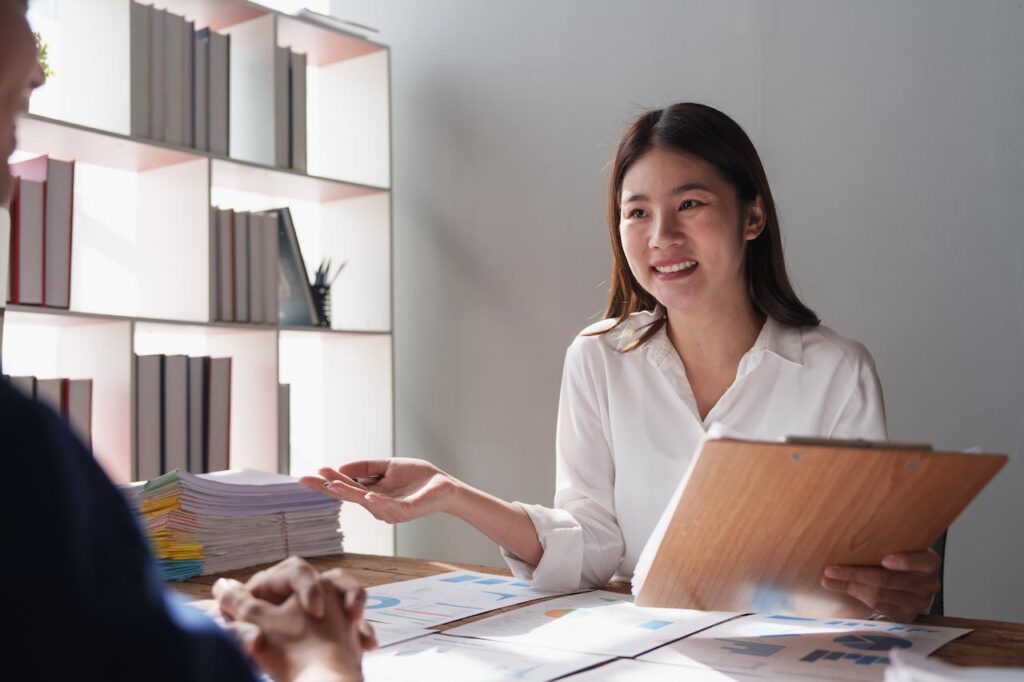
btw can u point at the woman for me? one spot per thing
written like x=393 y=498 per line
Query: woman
x=702 y=326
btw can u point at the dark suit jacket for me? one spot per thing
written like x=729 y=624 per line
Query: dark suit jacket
x=82 y=596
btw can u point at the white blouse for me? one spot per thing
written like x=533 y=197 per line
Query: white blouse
x=628 y=426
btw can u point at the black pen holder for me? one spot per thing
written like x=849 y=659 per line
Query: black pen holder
x=322 y=302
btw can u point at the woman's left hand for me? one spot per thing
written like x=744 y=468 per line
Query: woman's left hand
x=900 y=589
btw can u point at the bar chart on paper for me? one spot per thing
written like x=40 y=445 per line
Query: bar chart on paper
x=797 y=647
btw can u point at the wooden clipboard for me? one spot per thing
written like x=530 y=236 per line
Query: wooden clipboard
x=755 y=523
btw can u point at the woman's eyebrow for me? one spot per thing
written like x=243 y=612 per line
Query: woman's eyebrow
x=675 y=191
x=687 y=187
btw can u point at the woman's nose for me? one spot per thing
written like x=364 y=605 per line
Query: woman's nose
x=666 y=231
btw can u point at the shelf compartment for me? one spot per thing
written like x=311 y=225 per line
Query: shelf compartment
x=341 y=398
x=348 y=121
x=356 y=230
x=253 y=356
x=140 y=241
x=66 y=346
x=88 y=50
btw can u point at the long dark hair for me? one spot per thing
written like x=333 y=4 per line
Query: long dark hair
x=710 y=135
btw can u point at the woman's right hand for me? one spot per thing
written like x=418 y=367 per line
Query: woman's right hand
x=405 y=488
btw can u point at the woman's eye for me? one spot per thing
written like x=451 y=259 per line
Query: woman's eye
x=636 y=213
x=689 y=203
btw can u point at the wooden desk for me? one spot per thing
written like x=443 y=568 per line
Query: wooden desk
x=993 y=643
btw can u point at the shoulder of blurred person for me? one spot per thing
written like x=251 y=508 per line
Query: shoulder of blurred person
x=84 y=597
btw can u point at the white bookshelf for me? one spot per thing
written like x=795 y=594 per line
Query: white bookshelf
x=140 y=263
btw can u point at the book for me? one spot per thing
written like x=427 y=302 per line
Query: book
x=175 y=413
x=188 y=90
x=60 y=180
x=219 y=426
x=78 y=408
x=174 y=79
x=284 y=429
x=731 y=540
x=282 y=106
x=214 y=263
x=271 y=267
x=257 y=307
x=297 y=117
x=225 y=267
x=148 y=416
x=219 y=87
x=295 y=305
x=201 y=85
x=141 y=21
x=25 y=384
x=157 y=103
x=240 y=237
x=198 y=368
x=50 y=392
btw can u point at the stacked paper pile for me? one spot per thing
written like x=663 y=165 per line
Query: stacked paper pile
x=210 y=523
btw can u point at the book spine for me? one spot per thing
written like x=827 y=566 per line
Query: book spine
x=201 y=97
x=298 y=112
x=141 y=27
x=57 y=247
x=241 y=238
x=257 y=308
x=282 y=106
x=156 y=74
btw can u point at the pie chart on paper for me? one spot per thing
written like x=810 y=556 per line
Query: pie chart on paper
x=558 y=613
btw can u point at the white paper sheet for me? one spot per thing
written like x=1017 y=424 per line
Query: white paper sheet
x=458 y=659
x=391 y=632
x=444 y=598
x=794 y=648
x=909 y=667
x=629 y=670
x=604 y=623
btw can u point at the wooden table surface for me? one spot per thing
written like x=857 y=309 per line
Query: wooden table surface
x=993 y=643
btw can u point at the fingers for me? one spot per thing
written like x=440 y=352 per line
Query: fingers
x=249 y=637
x=875 y=596
x=237 y=602
x=873 y=576
x=295 y=576
x=924 y=561
x=367 y=637
x=354 y=594
x=367 y=467
x=336 y=489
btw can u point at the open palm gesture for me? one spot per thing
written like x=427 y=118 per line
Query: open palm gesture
x=401 y=489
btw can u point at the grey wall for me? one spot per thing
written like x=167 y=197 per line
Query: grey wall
x=891 y=132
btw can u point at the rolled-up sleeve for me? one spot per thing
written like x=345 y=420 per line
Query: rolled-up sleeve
x=580 y=536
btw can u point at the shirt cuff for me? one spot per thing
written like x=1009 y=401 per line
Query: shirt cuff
x=561 y=537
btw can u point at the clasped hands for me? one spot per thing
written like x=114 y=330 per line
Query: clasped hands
x=299 y=624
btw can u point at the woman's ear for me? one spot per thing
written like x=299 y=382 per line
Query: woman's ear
x=754 y=219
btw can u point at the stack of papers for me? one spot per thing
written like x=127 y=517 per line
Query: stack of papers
x=210 y=523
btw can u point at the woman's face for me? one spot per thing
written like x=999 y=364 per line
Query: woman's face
x=684 y=231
